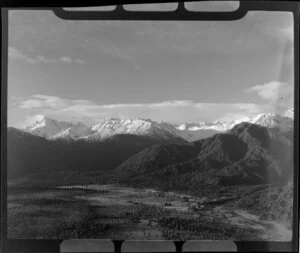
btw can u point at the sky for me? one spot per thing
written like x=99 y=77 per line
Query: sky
x=173 y=71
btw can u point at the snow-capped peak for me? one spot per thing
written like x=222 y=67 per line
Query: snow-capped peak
x=50 y=128
x=136 y=126
x=273 y=120
x=36 y=122
x=289 y=113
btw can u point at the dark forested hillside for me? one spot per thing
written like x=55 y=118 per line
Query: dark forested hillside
x=29 y=154
x=248 y=154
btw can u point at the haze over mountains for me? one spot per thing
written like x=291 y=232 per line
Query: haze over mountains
x=53 y=129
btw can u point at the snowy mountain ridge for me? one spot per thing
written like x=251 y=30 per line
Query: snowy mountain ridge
x=110 y=127
x=53 y=129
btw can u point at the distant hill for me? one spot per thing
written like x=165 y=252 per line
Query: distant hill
x=247 y=154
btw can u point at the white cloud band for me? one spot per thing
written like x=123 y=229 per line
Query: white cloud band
x=14 y=53
x=277 y=93
x=175 y=111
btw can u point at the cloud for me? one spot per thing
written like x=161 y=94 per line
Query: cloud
x=14 y=53
x=78 y=61
x=272 y=91
x=47 y=102
x=280 y=95
x=173 y=111
x=66 y=59
x=131 y=40
x=173 y=103
x=268 y=91
x=244 y=111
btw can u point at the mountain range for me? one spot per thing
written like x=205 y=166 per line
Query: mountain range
x=245 y=154
x=53 y=129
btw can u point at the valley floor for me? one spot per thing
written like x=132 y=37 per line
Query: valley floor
x=119 y=212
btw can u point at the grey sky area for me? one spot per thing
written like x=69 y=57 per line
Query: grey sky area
x=173 y=71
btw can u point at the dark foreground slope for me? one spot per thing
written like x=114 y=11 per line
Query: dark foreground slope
x=247 y=154
x=28 y=154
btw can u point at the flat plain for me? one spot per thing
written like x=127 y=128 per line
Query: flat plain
x=123 y=212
